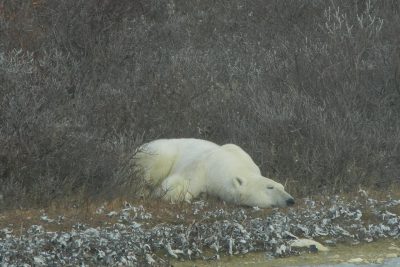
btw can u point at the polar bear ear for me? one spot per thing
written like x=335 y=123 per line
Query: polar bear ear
x=237 y=181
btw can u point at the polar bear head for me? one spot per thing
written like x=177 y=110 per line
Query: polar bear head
x=261 y=192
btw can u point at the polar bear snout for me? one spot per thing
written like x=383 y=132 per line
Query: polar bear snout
x=290 y=202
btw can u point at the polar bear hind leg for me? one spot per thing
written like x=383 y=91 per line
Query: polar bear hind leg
x=155 y=165
x=175 y=189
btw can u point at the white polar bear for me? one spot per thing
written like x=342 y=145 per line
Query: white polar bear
x=182 y=169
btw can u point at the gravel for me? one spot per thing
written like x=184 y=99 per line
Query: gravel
x=131 y=242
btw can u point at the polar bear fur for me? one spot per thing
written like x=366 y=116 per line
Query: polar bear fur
x=183 y=169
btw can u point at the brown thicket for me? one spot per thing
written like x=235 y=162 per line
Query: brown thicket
x=309 y=88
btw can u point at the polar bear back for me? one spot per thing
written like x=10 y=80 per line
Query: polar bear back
x=245 y=161
x=162 y=157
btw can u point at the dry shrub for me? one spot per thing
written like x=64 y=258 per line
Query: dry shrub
x=309 y=88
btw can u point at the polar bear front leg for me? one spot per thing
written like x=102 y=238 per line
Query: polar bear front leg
x=174 y=188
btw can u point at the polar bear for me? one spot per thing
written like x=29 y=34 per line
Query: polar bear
x=183 y=169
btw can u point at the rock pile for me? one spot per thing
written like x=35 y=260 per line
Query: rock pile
x=221 y=232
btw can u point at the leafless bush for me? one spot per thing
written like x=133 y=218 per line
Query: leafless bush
x=309 y=88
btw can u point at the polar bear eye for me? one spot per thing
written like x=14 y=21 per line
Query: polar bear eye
x=270 y=187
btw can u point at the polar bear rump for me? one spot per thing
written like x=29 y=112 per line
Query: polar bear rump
x=183 y=169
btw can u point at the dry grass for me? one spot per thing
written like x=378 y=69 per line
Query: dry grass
x=163 y=213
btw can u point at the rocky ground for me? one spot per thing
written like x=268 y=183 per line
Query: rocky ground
x=140 y=234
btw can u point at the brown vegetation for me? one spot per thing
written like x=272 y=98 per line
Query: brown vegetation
x=66 y=214
x=309 y=88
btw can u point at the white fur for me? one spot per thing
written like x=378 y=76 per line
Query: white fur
x=182 y=169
